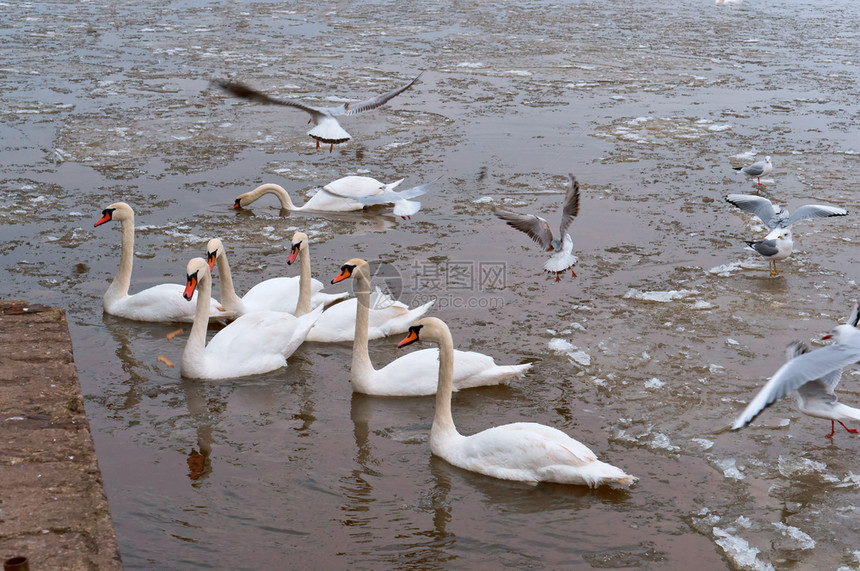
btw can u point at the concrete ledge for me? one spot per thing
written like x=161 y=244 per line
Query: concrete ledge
x=53 y=507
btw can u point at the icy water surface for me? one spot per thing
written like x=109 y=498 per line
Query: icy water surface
x=646 y=357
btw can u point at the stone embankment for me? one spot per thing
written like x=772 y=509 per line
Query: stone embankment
x=53 y=507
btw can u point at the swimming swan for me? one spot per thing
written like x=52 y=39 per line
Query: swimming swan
x=522 y=451
x=160 y=303
x=415 y=373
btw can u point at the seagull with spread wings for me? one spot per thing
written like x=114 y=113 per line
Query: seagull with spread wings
x=779 y=244
x=814 y=375
x=326 y=127
x=539 y=230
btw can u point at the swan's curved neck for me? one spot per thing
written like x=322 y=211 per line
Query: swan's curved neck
x=229 y=299
x=361 y=365
x=303 y=305
x=277 y=190
x=194 y=347
x=443 y=420
x=119 y=287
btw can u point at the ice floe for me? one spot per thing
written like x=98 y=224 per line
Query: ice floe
x=660 y=296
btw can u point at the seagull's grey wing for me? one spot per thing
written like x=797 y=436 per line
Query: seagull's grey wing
x=415 y=190
x=354 y=107
x=766 y=248
x=796 y=373
x=757 y=205
x=536 y=227
x=818 y=388
x=814 y=211
x=755 y=169
x=570 y=208
x=241 y=90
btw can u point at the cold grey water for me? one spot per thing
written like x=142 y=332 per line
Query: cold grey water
x=646 y=357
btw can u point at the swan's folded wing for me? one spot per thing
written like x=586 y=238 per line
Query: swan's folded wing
x=526 y=445
x=795 y=373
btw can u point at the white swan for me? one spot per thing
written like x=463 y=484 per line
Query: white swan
x=522 y=451
x=275 y=294
x=415 y=373
x=337 y=323
x=163 y=302
x=255 y=343
x=326 y=128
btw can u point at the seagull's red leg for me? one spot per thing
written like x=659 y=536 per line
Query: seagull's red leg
x=331 y=148
x=318 y=143
x=558 y=276
x=851 y=430
x=572 y=273
x=833 y=429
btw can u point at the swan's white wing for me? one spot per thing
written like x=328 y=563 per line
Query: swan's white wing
x=357 y=187
x=524 y=446
x=241 y=90
x=797 y=372
x=354 y=107
x=814 y=211
x=276 y=294
x=536 y=227
x=757 y=205
x=570 y=208
x=162 y=303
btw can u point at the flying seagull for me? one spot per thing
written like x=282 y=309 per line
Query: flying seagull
x=326 y=128
x=814 y=375
x=778 y=244
x=539 y=230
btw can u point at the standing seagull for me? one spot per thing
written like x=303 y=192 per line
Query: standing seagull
x=778 y=244
x=757 y=169
x=814 y=375
x=326 y=128
x=539 y=231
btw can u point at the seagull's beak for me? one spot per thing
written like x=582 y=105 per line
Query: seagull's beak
x=828 y=336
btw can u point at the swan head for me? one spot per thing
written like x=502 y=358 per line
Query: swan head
x=214 y=249
x=237 y=204
x=430 y=329
x=116 y=211
x=196 y=270
x=350 y=268
x=299 y=243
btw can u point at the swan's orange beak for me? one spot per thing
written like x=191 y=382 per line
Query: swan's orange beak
x=345 y=272
x=106 y=217
x=210 y=259
x=411 y=337
x=237 y=205
x=190 y=286
x=294 y=253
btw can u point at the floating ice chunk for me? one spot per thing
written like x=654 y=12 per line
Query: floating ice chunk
x=654 y=383
x=577 y=326
x=703 y=305
x=730 y=468
x=470 y=64
x=580 y=357
x=739 y=552
x=725 y=270
x=661 y=296
x=730 y=341
x=483 y=200
x=704 y=443
x=852 y=480
x=599 y=382
x=799 y=539
x=719 y=128
x=519 y=72
x=662 y=442
x=793 y=467
x=714 y=368
x=561 y=345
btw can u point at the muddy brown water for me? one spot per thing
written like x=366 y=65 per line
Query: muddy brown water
x=646 y=357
